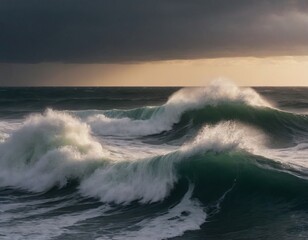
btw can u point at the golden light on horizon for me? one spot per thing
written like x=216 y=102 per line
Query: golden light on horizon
x=244 y=71
x=271 y=71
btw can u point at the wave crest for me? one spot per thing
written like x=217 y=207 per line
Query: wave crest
x=186 y=99
x=47 y=150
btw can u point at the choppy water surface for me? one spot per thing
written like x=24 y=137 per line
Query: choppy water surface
x=219 y=162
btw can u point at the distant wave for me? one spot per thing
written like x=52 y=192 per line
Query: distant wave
x=180 y=161
x=159 y=119
x=52 y=149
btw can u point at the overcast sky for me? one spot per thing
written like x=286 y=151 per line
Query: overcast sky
x=138 y=31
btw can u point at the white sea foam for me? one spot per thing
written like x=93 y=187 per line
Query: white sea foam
x=50 y=149
x=6 y=127
x=53 y=148
x=133 y=149
x=48 y=228
x=186 y=215
x=170 y=113
x=152 y=179
x=19 y=211
x=294 y=157
x=47 y=151
x=146 y=181
x=226 y=136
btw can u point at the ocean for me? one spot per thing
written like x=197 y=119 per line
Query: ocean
x=216 y=162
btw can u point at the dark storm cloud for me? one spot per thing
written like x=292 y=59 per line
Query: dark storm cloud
x=135 y=30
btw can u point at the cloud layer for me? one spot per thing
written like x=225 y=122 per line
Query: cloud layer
x=105 y=31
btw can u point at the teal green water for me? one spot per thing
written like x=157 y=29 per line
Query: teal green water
x=154 y=163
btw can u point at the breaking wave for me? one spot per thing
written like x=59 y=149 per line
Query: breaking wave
x=201 y=146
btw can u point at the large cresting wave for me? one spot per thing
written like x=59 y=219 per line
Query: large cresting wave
x=155 y=120
x=194 y=151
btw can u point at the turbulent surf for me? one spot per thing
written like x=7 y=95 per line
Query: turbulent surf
x=218 y=162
